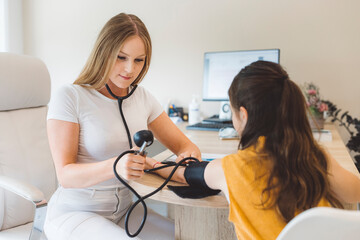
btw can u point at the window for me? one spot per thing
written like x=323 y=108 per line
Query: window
x=11 y=29
x=4 y=33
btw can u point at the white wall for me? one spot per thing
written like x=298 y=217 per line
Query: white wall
x=319 y=40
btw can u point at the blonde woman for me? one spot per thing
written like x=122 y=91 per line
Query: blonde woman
x=87 y=132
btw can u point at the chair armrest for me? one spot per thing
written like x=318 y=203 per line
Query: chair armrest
x=22 y=189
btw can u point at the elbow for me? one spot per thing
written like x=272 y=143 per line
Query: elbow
x=351 y=198
x=66 y=181
x=61 y=179
x=70 y=184
x=63 y=183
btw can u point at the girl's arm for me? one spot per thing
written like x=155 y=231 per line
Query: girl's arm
x=165 y=172
x=168 y=134
x=215 y=178
x=345 y=184
x=213 y=174
x=174 y=139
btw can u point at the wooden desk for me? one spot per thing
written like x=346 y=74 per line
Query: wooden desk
x=339 y=151
x=207 y=218
x=195 y=219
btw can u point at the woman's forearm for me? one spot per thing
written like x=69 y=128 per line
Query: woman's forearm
x=82 y=175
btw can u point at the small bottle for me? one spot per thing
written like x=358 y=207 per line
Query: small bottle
x=194 y=111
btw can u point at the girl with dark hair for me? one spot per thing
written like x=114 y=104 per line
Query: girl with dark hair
x=280 y=170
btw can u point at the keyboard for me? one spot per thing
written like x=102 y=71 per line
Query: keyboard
x=216 y=119
x=208 y=126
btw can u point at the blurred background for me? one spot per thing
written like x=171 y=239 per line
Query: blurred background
x=319 y=41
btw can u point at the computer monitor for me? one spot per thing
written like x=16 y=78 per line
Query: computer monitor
x=220 y=68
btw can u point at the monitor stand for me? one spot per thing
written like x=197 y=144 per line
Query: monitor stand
x=224 y=114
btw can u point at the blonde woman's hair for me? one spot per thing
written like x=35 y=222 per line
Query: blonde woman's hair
x=104 y=54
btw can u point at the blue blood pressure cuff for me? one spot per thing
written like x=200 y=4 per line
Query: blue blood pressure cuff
x=194 y=176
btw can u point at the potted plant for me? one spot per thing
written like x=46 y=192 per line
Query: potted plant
x=317 y=108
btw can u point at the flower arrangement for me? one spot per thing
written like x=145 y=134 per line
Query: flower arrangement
x=316 y=106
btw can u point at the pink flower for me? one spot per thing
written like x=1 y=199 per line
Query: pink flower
x=311 y=91
x=323 y=107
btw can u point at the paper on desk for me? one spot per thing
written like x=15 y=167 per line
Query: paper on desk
x=322 y=135
x=204 y=156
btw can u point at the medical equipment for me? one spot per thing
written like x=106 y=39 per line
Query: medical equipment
x=120 y=100
x=143 y=139
x=194 y=176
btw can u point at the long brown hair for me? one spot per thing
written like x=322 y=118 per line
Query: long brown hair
x=104 y=54
x=298 y=176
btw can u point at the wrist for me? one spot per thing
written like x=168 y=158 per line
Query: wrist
x=155 y=164
x=150 y=162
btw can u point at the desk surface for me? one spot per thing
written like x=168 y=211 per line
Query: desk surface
x=209 y=142
x=338 y=150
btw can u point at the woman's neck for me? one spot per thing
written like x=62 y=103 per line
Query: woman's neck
x=120 y=92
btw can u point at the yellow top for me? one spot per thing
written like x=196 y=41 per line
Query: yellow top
x=251 y=221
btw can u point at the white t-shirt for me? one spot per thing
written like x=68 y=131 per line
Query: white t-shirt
x=102 y=132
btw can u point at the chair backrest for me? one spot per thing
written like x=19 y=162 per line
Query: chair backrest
x=24 y=148
x=323 y=223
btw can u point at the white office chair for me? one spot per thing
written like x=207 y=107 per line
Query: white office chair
x=323 y=223
x=27 y=174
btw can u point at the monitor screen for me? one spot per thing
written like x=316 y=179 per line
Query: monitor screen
x=220 y=68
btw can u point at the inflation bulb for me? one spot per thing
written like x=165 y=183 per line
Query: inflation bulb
x=143 y=139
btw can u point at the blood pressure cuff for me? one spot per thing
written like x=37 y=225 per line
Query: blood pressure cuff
x=194 y=176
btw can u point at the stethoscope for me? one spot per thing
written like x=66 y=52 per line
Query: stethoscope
x=120 y=101
x=142 y=139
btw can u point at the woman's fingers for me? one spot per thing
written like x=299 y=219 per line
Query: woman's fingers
x=136 y=166
x=137 y=159
x=131 y=166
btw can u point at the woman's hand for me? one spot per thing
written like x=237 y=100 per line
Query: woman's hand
x=173 y=138
x=131 y=167
x=195 y=153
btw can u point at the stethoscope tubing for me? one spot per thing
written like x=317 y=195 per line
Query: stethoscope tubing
x=120 y=100
x=140 y=199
